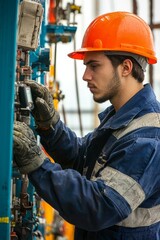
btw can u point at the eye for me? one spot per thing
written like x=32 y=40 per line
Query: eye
x=93 y=66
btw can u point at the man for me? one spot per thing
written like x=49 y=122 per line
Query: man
x=106 y=183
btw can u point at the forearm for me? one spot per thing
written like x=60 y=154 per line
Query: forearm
x=78 y=200
x=62 y=145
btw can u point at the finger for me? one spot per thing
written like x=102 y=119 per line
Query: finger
x=17 y=134
x=18 y=146
x=43 y=109
x=24 y=132
x=19 y=125
x=20 y=131
x=22 y=127
x=36 y=88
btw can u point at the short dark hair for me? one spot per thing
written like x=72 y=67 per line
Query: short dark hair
x=137 y=71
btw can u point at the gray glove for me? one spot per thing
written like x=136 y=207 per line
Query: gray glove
x=44 y=113
x=27 y=155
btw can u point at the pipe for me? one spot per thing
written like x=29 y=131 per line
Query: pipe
x=8 y=36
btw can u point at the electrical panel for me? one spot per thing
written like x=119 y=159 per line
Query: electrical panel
x=29 y=24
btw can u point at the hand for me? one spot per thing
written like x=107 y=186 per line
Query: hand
x=44 y=113
x=27 y=155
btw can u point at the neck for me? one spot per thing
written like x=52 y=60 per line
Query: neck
x=125 y=93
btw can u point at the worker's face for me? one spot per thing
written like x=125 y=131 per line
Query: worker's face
x=102 y=79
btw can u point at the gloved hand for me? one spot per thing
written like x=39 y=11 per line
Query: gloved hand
x=27 y=155
x=44 y=113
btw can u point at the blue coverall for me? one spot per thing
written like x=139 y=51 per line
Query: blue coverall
x=107 y=183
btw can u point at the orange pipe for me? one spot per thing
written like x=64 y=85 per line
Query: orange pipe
x=51 y=12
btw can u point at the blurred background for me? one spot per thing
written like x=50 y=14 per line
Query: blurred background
x=35 y=39
x=83 y=118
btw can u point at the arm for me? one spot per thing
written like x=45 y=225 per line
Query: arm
x=66 y=190
x=121 y=186
x=78 y=200
x=64 y=146
x=59 y=141
x=103 y=201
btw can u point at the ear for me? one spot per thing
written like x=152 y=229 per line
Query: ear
x=127 y=67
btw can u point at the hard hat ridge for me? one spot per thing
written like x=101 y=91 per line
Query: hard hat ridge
x=118 y=32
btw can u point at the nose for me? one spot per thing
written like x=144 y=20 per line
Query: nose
x=87 y=75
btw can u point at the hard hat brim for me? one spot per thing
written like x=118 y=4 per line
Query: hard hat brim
x=79 y=54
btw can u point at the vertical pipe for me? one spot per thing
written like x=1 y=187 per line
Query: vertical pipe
x=77 y=92
x=43 y=26
x=135 y=7
x=8 y=32
x=96 y=8
x=152 y=28
x=76 y=84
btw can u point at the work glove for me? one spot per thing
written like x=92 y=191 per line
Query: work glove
x=27 y=155
x=44 y=114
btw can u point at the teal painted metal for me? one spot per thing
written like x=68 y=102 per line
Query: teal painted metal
x=8 y=32
x=43 y=27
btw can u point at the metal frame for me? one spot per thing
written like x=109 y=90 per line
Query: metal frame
x=8 y=32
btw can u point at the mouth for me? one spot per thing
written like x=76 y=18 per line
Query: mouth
x=92 y=88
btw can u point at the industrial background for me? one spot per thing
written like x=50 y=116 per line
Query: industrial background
x=35 y=38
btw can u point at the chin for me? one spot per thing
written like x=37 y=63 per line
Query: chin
x=99 y=100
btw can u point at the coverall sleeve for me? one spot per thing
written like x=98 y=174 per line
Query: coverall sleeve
x=104 y=201
x=78 y=200
x=64 y=146
x=97 y=204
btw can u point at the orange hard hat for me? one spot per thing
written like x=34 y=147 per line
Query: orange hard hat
x=118 y=32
